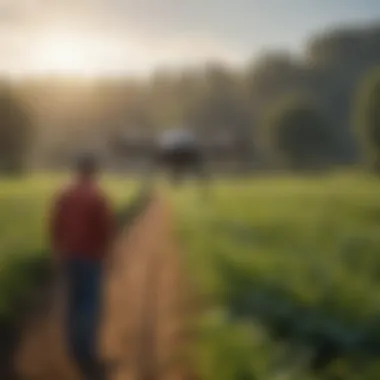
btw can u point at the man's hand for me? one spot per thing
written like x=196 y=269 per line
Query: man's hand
x=109 y=262
x=56 y=263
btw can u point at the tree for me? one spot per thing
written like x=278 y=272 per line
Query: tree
x=15 y=132
x=367 y=117
x=273 y=75
x=222 y=109
x=298 y=133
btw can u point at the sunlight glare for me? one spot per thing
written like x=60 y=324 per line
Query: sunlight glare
x=64 y=54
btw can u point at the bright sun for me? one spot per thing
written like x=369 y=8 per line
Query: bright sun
x=65 y=54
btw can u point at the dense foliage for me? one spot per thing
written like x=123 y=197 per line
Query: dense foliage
x=16 y=132
x=298 y=133
x=368 y=117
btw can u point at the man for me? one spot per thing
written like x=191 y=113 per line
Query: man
x=82 y=227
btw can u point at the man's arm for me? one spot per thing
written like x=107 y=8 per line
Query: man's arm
x=106 y=224
x=55 y=227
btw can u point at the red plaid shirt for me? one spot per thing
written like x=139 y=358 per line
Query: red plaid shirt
x=82 y=223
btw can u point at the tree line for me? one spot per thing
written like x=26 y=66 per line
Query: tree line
x=281 y=111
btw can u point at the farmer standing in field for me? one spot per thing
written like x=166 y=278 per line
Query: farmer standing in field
x=82 y=228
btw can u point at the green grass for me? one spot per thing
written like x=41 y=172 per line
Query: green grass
x=24 y=251
x=284 y=265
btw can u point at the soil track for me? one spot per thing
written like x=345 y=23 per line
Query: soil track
x=143 y=333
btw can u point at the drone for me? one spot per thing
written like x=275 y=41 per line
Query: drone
x=179 y=152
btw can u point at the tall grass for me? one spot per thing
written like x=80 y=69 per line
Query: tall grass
x=289 y=271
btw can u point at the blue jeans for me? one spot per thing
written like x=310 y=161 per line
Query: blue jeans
x=84 y=291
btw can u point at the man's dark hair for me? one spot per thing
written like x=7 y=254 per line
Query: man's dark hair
x=87 y=164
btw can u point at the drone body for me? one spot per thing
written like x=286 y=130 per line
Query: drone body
x=179 y=152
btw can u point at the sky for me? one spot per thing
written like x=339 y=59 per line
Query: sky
x=137 y=36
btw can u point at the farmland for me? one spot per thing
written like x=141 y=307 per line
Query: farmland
x=287 y=275
x=286 y=271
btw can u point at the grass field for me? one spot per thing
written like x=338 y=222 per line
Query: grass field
x=24 y=256
x=288 y=273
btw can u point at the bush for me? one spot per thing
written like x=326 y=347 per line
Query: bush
x=367 y=118
x=15 y=132
x=298 y=134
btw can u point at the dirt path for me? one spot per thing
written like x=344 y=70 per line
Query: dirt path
x=143 y=331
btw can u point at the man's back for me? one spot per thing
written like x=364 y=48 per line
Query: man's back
x=82 y=222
